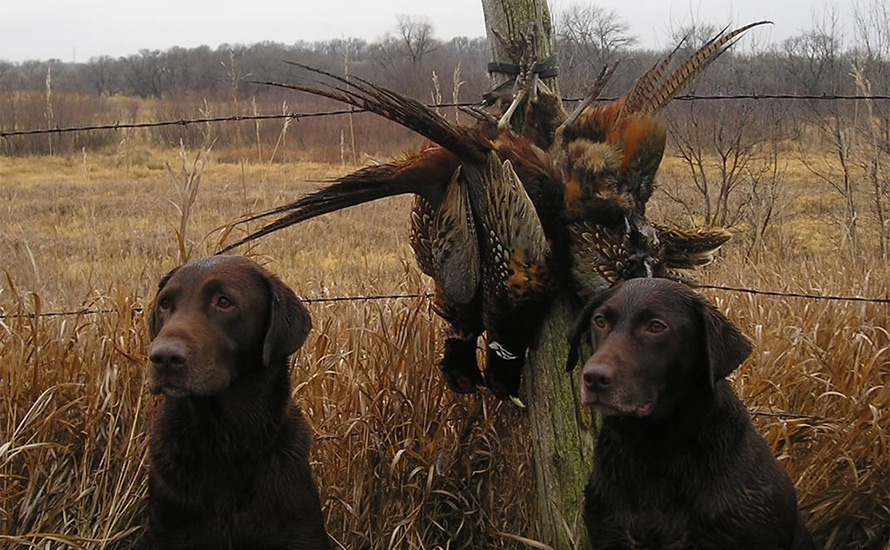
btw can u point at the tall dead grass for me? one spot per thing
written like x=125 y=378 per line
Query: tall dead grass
x=400 y=461
x=827 y=363
x=73 y=457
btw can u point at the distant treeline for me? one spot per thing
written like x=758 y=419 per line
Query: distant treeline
x=410 y=60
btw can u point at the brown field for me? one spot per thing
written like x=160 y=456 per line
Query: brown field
x=400 y=461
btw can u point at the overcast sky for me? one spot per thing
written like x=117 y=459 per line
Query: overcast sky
x=75 y=30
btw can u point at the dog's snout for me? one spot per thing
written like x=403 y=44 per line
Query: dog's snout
x=598 y=376
x=168 y=355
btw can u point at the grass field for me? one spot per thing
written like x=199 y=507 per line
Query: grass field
x=400 y=461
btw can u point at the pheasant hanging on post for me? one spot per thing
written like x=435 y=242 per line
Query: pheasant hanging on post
x=505 y=218
x=476 y=229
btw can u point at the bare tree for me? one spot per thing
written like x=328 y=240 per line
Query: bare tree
x=871 y=70
x=813 y=58
x=720 y=145
x=765 y=175
x=589 y=38
x=102 y=75
x=402 y=55
x=146 y=74
x=693 y=34
x=416 y=36
x=816 y=60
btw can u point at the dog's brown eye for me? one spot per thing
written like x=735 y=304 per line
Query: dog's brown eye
x=164 y=304
x=656 y=326
x=224 y=302
x=599 y=320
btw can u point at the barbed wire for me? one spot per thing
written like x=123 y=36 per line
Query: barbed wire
x=428 y=295
x=315 y=114
x=787 y=294
x=757 y=97
x=311 y=300
x=180 y=122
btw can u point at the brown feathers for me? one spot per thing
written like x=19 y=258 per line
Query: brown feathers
x=692 y=67
x=690 y=249
x=454 y=244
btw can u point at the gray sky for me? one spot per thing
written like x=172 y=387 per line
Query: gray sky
x=77 y=30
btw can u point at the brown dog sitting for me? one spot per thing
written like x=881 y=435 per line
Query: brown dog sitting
x=229 y=448
x=678 y=464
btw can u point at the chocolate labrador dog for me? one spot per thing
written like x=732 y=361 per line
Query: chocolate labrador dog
x=229 y=449
x=678 y=464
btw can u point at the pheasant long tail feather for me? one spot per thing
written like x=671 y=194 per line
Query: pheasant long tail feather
x=359 y=183
x=644 y=88
x=366 y=185
x=692 y=67
x=402 y=110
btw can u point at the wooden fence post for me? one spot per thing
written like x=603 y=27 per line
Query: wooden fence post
x=509 y=18
x=561 y=426
x=561 y=432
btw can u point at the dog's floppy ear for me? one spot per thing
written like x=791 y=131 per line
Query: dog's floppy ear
x=725 y=346
x=581 y=327
x=289 y=322
x=154 y=326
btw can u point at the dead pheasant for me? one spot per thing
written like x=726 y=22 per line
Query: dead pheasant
x=608 y=156
x=475 y=229
x=504 y=218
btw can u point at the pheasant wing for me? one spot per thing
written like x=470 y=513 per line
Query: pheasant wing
x=516 y=275
x=516 y=250
x=454 y=244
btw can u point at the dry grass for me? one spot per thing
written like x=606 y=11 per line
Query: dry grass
x=400 y=461
x=828 y=362
x=72 y=463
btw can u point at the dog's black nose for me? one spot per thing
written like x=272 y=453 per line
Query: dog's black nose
x=598 y=376
x=168 y=355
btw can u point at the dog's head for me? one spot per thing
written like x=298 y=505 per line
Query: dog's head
x=216 y=318
x=654 y=341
